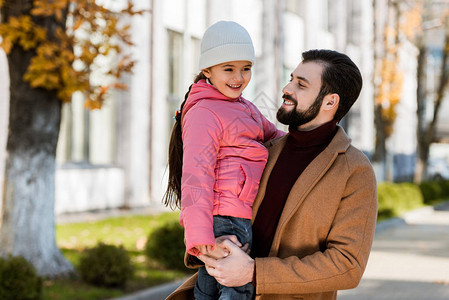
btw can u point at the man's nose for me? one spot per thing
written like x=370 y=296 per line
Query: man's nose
x=286 y=90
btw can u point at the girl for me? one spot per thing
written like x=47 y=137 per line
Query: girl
x=216 y=152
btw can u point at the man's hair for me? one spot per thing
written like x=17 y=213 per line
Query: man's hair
x=340 y=76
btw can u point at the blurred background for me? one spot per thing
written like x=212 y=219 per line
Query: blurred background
x=113 y=161
x=116 y=157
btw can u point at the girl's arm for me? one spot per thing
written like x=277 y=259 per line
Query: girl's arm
x=270 y=131
x=201 y=133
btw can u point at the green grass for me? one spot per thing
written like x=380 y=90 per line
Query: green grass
x=76 y=290
x=129 y=231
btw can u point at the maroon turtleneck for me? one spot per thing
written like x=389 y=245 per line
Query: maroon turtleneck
x=300 y=149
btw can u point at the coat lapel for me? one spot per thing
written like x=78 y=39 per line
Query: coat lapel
x=308 y=179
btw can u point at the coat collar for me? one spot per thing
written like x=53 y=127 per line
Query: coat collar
x=314 y=171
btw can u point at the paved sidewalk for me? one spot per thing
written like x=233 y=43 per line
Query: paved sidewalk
x=409 y=261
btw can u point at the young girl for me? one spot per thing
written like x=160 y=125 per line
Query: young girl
x=216 y=154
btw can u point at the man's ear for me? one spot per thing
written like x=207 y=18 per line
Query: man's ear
x=331 y=101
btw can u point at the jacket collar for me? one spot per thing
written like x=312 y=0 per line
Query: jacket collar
x=339 y=144
x=203 y=90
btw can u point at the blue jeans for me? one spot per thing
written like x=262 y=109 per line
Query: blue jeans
x=206 y=287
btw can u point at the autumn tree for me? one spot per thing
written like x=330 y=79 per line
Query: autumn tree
x=53 y=49
x=436 y=16
x=387 y=75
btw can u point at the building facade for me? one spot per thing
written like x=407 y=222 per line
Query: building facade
x=117 y=157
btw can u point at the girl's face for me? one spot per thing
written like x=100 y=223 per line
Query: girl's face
x=230 y=78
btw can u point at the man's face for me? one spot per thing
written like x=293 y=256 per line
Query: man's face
x=301 y=105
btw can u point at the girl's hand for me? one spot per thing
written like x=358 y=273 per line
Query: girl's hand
x=204 y=249
x=220 y=251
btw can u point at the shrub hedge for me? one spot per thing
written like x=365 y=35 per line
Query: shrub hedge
x=433 y=191
x=106 y=265
x=397 y=198
x=166 y=245
x=19 y=280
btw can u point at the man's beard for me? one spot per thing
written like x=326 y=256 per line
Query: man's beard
x=297 y=118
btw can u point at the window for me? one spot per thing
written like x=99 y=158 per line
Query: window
x=298 y=7
x=175 y=88
x=355 y=20
x=175 y=47
x=87 y=137
x=333 y=16
x=196 y=51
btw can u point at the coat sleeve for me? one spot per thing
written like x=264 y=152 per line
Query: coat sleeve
x=201 y=135
x=341 y=263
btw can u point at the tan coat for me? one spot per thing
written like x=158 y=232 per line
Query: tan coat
x=326 y=229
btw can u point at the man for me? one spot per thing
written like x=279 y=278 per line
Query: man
x=315 y=213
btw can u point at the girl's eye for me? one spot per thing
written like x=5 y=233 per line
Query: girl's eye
x=228 y=70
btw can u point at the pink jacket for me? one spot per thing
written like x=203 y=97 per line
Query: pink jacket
x=223 y=160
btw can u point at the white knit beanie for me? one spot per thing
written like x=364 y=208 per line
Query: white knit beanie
x=225 y=41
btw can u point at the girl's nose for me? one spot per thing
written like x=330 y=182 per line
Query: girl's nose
x=239 y=77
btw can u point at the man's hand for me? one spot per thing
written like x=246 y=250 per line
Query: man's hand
x=234 y=270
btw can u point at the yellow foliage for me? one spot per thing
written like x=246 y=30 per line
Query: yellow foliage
x=93 y=29
x=46 y=8
x=21 y=31
x=390 y=92
x=412 y=23
x=92 y=104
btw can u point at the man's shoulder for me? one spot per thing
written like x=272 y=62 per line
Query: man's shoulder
x=357 y=161
x=356 y=154
x=274 y=142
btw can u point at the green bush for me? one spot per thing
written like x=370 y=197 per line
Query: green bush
x=166 y=245
x=411 y=196
x=387 y=196
x=397 y=198
x=445 y=188
x=106 y=265
x=18 y=280
x=431 y=191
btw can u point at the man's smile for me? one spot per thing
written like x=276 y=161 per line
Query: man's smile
x=288 y=100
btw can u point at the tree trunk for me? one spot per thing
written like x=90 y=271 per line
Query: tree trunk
x=379 y=153
x=427 y=136
x=421 y=98
x=28 y=222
